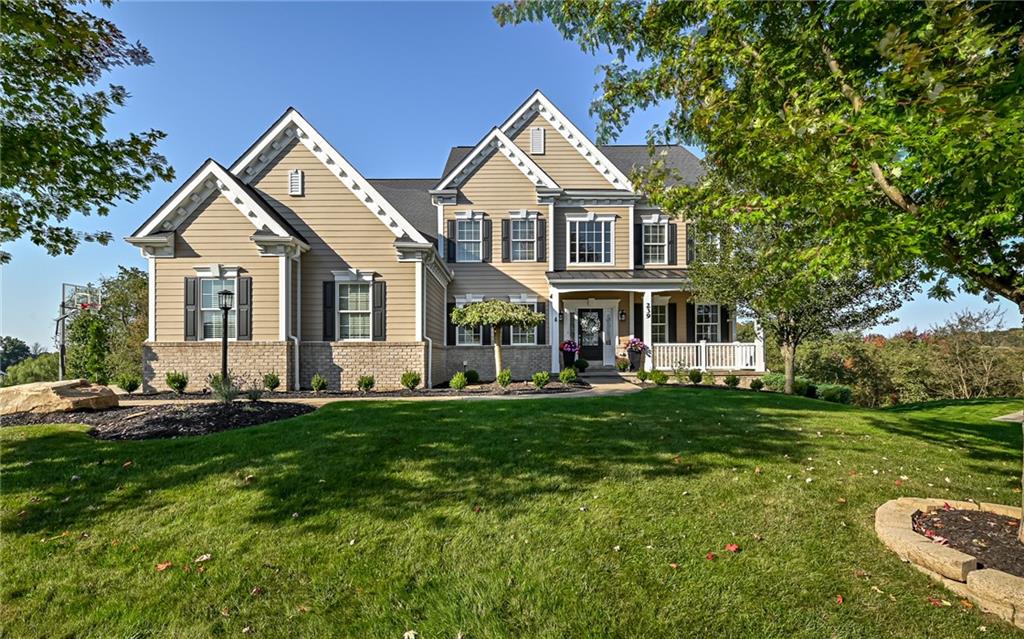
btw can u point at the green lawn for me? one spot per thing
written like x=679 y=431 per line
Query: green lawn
x=541 y=518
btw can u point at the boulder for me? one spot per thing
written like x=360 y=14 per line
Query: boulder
x=56 y=397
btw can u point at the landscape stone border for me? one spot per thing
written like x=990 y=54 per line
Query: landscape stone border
x=993 y=591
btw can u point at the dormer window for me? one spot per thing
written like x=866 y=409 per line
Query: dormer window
x=296 y=182
x=537 y=140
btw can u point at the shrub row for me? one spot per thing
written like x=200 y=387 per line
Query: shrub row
x=837 y=393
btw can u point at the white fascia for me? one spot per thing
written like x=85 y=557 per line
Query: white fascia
x=209 y=179
x=292 y=124
x=496 y=140
x=539 y=103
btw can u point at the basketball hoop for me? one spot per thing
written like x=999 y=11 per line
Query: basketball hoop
x=74 y=298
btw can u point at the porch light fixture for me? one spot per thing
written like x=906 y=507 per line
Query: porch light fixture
x=622 y=316
x=225 y=299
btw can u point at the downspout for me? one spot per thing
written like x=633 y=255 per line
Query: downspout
x=298 y=316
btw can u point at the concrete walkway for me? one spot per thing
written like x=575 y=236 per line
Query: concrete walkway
x=1012 y=417
x=601 y=386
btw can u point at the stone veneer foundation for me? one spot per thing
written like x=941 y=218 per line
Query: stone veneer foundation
x=200 y=359
x=994 y=591
x=523 y=361
x=343 y=363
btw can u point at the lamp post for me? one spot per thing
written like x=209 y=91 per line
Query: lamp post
x=225 y=298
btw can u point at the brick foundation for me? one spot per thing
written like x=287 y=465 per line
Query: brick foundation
x=246 y=360
x=343 y=363
x=523 y=361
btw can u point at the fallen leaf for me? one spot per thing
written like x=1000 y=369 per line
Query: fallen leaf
x=617 y=548
x=757 y=537
x=841 y=500
x=878 y=590
x=303 y=609
x=966 y=604
x=201 y=558
x=164 y=566
x=249 y=479
x=224 y=612
x=732 y=547
x=411 y=634
x=938 y=602
x=757 y=470
x=839 y=599
x=476 y=509
x=127 y=464
x=247 y=630
x=673 y=566
x=898 y=482
x=257 y=591
x=711 y=556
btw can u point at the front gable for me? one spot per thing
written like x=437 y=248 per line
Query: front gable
x=563 y=162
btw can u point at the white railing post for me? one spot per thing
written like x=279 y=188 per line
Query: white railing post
x=648 y=362
x=758 y=348
x=702 y=355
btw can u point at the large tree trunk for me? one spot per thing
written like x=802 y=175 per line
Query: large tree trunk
x=1020 y=530
x=789 y=357
x=496 y=338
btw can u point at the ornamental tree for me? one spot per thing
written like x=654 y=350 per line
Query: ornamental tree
x=498 y=314
x=58 y=159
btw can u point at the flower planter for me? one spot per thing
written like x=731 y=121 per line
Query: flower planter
x=636 y=358
x=568 y=359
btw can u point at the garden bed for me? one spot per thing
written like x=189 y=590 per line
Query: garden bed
x=163 y=421
x=516 y=388
x=990 y=537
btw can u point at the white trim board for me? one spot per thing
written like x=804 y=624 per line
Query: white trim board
x=495 y=140
x=292 y=124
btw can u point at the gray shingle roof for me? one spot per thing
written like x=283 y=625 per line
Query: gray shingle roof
x=410 y=197
x=638 y=274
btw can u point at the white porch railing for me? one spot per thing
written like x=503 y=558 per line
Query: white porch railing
x=709 y=356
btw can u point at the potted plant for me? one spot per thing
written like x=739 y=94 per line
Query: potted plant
x=569 y=349
x=635 y=351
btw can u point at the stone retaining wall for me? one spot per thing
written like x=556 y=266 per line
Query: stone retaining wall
x=246 y=360
x=993 y=591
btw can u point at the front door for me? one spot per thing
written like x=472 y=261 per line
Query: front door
x=590 y=325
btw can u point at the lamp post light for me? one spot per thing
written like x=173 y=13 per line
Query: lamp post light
x=225 y=298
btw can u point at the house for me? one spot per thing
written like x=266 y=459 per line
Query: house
x=338 y=274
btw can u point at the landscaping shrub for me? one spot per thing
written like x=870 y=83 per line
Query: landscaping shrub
x=129 y=382
x=708 y=378
x=809 y=390
x=695 y=375
x=41 y=368
x=223 y=389
x=568 y=375
x=254 y=390
x=472 y=376
x=271 y=381
x=318 y=383
x=756 y=384
x=643 y=375
x=777 y=382
x=732 y=381
x=410 y=380
x=659 y=377
x=365 y=383
x=622 y=364
x=88 y=343
x=177 y=381
x=458 y=381
x=837 y=393
x=582 y=365
x=505 y=378
x=541 y=379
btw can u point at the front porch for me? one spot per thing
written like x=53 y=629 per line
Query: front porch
x=602 y=316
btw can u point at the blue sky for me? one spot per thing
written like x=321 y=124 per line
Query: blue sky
x=392 y=86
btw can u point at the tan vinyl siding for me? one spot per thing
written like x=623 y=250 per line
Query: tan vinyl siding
x=561 y=160
x=621 y=240
x=216 y=233
x=435 y=310
x=342 y=234
x=496 y=188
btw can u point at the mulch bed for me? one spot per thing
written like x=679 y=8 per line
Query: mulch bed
x=516 y=388
x=167 y=420
x=989 y=537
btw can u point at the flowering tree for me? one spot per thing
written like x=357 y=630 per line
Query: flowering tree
x=497 y=314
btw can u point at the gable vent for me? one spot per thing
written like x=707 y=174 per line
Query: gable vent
x=295 y=182
x=537 y=140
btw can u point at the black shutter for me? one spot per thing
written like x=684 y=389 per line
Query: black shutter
x=244 y=318
x=506 y=335
x=673 y=232
x=724 y=335
x=541 y=249
x=450 y=250
x=380 y=311
x=328 y=307
x=506 y=247
x=691 y=245
x=638 y=321
x=449 y=325
x=638 y=246
x=191 y=309
x=691 y=322
x=485 y=335
x=542 y=328
x=485 y=250
x=673 y=320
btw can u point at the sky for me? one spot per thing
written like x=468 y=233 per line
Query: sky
x=391 y=85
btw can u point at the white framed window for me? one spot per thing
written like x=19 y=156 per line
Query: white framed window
x=708 y=327
x=524 y=240
x=468 y=240
x=354 y=315
x=659 y=323
x=296 y=182
x=655 y=243
x=211 y=316
x=537 y=140
x=590 y=241
x=468 y=335
x=519 y=336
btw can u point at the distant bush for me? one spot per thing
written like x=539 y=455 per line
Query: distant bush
x=756 y=384
x=224 y=389
x=41 y=368
x=271 y=381
x=176 y=381
x=731 y=381
x=472 y=376
x=458 y=381
x=708 y=378
x=777 y=382
x=809 y=390
x=568 y=375
x=541 y=379
x=505 y=378
x=365 y=383
x=255 y=389
x=318 y=383
x=410 y=380
x=659 y=377
x=643 y=375
x=838 y=393
x=622 y=364
x=582 y=365
x=695 y=375
x=129 y=382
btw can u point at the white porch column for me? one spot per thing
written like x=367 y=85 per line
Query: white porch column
x=554 y=329
x=758 y=348
x=646 y=310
